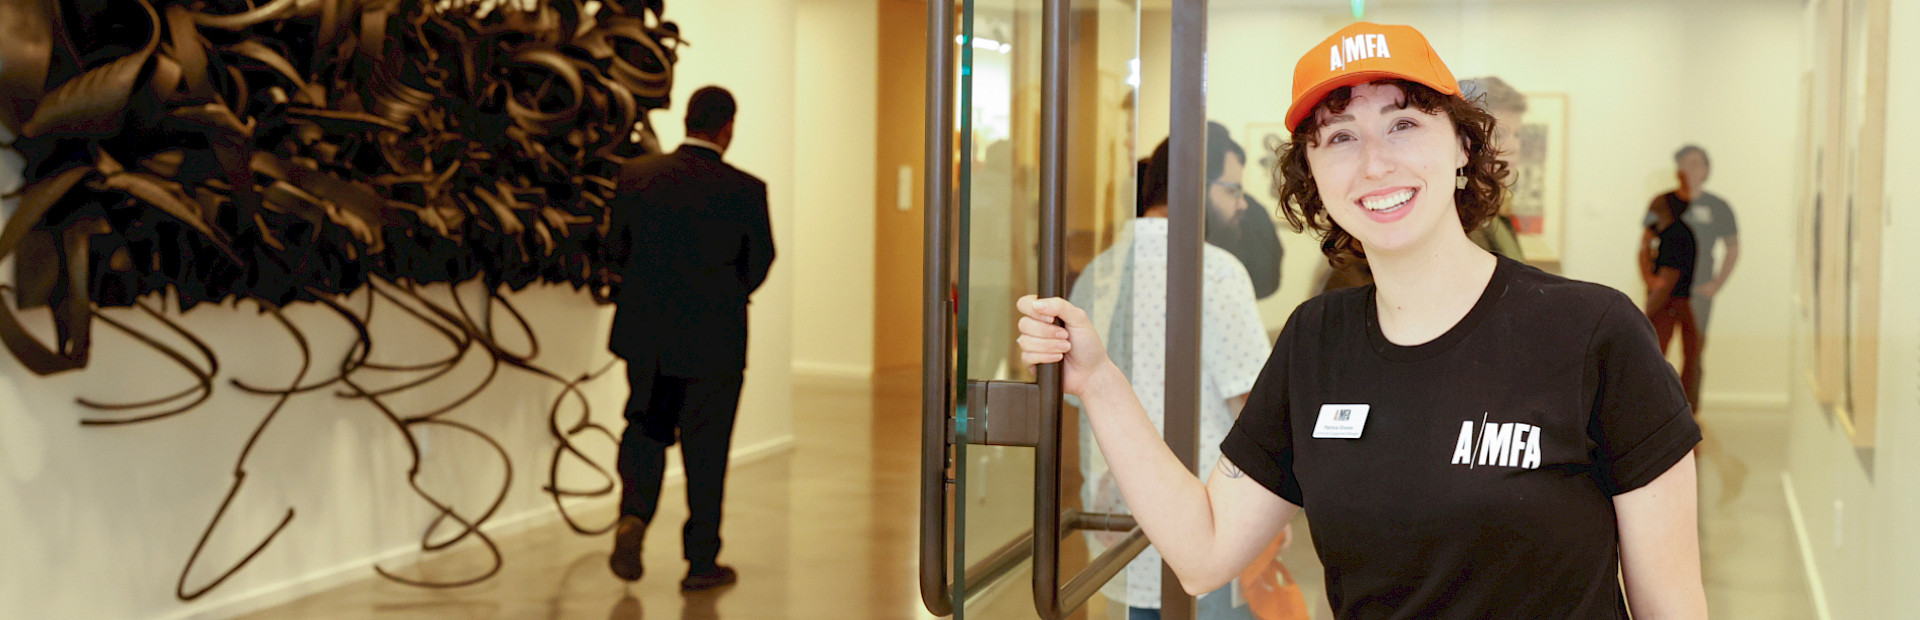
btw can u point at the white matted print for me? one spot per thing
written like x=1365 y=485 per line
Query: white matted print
x=1539 y=203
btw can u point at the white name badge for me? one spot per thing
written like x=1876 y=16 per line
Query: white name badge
x=1340 y=422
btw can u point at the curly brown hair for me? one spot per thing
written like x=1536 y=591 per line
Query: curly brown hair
x=1477 y=205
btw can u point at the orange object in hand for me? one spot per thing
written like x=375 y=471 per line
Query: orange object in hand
x=1269 y=588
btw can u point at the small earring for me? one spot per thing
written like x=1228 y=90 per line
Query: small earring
x=1460 y=180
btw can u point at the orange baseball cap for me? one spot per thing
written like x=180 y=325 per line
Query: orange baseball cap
x=1365 y=52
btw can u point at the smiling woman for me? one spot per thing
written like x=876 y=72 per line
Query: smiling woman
x=1464 y=421
x=1401 y=103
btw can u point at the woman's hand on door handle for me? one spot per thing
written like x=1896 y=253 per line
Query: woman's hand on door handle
x=1072 y=340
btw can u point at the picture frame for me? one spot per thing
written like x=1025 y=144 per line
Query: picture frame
x=1865 y=118
x=1539 y=203
x=1847 y=142
x=1831 y=208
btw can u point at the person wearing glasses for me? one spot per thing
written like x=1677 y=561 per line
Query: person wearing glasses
x=1470 y=437
x=1243 y=227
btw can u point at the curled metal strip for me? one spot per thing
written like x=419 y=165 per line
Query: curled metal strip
x=25 y=56
x=201 y=390
x=283 y=151
x=366 y=107
x=91 y=104
x=274 y=9
x=240 y=478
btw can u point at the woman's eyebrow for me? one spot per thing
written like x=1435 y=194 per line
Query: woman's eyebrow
x=1348 y=117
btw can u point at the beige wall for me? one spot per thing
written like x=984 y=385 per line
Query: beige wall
x=1641 y=77
x=97 y=523
x=1855 y=510
x=899 y=144
x=834 y=191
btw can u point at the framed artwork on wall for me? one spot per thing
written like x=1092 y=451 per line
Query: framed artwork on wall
x=1830 y=208
x=1539 y=202
x=1846 y=210
x=1806 y=194
x=1865 y=65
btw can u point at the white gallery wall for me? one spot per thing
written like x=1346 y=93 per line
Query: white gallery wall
x=1641 y=78
x=1854 y=510
x=99 y=522
x=834 y=147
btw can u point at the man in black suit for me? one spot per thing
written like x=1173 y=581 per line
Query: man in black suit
x=693 y=240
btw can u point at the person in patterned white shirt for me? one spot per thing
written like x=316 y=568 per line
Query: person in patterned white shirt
x=1125 y=289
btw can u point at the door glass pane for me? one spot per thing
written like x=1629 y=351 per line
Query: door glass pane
x=999 y=152
x=1101 y=186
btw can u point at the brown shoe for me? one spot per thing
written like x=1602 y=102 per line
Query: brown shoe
x=719 y=575
x=626 y=548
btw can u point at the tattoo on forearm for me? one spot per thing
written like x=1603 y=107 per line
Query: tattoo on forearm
x=1227 y=467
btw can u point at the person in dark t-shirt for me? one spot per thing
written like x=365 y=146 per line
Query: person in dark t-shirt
x=1667 y=258
x=1677 y=263
x=1470 y=437
x=1714 y=228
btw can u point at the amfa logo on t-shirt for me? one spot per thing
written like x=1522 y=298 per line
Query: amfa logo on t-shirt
x=1504 y=444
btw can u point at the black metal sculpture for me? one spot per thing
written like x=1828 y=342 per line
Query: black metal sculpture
x=288 y=151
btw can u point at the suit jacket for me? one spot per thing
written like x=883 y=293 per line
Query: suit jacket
x=692 y=237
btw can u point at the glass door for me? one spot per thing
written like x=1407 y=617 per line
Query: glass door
x=1035 y=125
x=998 y=45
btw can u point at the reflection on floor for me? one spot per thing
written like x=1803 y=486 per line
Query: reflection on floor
x=829 y=531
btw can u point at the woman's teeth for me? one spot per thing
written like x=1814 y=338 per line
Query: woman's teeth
x=1387 y=202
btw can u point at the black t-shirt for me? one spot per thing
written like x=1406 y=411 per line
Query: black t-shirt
x=1481 y=484
x=1711 y=221
x=1677 y=249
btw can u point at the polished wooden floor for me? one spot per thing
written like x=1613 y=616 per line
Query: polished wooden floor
x=828 y=531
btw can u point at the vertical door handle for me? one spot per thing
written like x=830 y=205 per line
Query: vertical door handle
x=1051 y=599
x=1053 y=160
x=936 y=323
